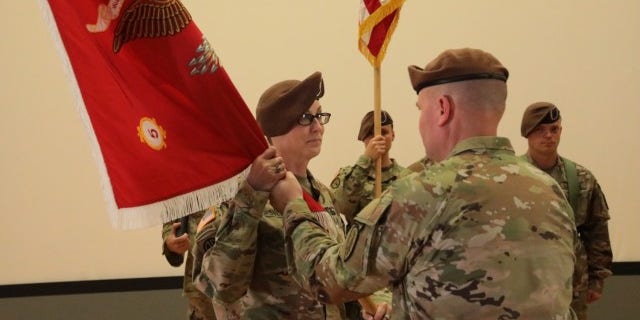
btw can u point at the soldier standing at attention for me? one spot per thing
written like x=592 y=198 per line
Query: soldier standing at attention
x=353 y=186
x=244 y=267
x=542 y=126
x=480 y=234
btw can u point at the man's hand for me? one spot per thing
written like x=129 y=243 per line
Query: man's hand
x=180 y=244
x=267 y=169
x=375 y=147
x=593 y=296
x=383 y=311
x=285 y=190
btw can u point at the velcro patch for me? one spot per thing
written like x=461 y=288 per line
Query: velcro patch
x=373 y=211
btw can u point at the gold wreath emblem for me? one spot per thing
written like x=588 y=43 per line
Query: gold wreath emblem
x=150 y=19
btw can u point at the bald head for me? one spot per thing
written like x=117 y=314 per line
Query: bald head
x=457 y=111
x=486 y=98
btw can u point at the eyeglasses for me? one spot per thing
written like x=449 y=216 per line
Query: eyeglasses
x=307 y=118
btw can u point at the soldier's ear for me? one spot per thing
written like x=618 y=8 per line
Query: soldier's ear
x=445 y=107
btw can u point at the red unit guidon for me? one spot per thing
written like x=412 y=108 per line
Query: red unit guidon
x=170 y=131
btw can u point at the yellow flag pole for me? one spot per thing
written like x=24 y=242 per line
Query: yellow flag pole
x=367 y=304
x=377 y=98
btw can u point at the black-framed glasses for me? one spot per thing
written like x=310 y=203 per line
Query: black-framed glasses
x=307 y=118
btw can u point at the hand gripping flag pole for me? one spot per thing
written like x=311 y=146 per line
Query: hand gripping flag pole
x=378 y=20
x=170 y=132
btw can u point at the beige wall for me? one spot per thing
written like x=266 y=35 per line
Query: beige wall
x=582 y=55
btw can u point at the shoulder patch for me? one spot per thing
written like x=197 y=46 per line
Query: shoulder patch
x=206 y=219
x=374 y=210
x=336 y=182
x=350 y=242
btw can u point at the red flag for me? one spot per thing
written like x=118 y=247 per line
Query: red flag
x=378 y=20
x=171 y=133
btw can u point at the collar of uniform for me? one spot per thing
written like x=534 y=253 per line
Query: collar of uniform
x=558 y=166
x=481 y=144
x=387 y=172
x=308 y=183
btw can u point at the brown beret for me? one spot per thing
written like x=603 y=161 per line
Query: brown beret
x=457 y=65
x=280 y=106
x=536 y=114
x=366 y=126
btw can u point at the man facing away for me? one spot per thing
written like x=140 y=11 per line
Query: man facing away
x=542 y=126
x=480 y=234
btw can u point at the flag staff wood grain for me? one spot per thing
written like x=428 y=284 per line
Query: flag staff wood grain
x=377 y=102
x=367 y=303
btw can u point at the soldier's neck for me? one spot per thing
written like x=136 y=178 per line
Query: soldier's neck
x=297 y=167
x=386 y=160
x=544 y=161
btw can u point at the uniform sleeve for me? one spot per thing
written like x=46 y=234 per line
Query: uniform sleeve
x=203 y=242
x=418 y=166
x=348 y=187
x=336 y=272
x=194 y=218
x=173 y=258
x=228 y=264
x=595 y=236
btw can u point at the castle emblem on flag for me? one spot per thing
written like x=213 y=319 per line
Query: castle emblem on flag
x=152 y=134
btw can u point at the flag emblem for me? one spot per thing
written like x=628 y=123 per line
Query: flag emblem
x=150 y=19
x=152 y=134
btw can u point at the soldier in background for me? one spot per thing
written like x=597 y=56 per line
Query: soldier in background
x=353 y=186
x=174 y=247
x=481 y=234
x=542 y=126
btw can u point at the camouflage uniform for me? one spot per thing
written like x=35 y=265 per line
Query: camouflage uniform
x=245 y=268
x=420 y=165
x=593 y=255
x=353 y=185
x=480 y=235
x=353 y=188
x=200 y=307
